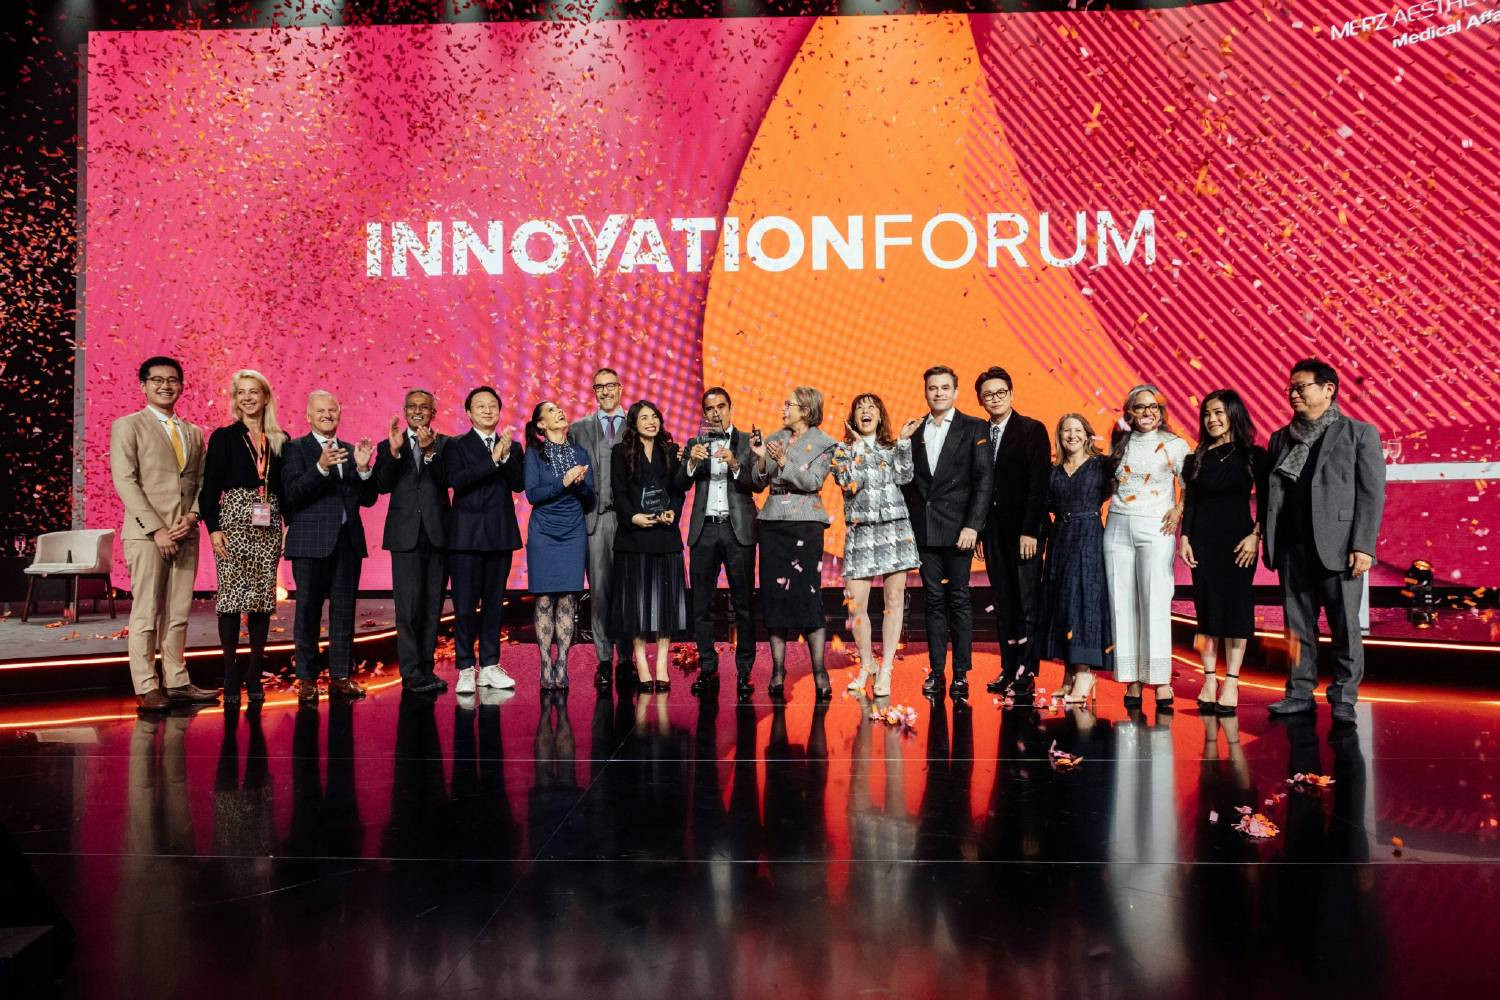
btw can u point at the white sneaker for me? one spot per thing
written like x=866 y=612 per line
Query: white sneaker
x=495 y=677
x=465 y=681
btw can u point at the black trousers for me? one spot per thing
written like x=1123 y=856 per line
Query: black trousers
x=717 y=546
x=334 y=580
x=1307 y=586
x=478 y=590
x=950 y=613
x=417 y=579
x=1014 y=586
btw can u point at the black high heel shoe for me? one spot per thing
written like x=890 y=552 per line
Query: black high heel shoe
x=1206 y=705
x=1163 y=704
x=823 y=688
x=1132 y=701
x=1222 y=709
x=777 y=687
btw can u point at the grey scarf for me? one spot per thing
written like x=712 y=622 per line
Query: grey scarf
x=1304 y=434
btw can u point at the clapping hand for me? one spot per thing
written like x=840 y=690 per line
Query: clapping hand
x=575 y=474
x=502 y=447
x=909 y=428
x=426 y=438
x=333 y=455
x=396 y=437
x=364 y=454
x=777 y=451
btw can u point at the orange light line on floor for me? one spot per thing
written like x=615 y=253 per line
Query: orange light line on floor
x=1435 y=644
x=207 y=710
x=121 y=659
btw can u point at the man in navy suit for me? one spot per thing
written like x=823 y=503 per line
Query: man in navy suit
x=948 y=500
x=409 y=467
x=484 y=468
x=324 y=483
x=1022 y=457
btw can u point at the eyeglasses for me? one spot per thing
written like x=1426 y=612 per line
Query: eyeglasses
x=994 y=395
x=157 y=381
x=1145 y=408
x=602 y=386
x=1298 y=388
x=789 y=404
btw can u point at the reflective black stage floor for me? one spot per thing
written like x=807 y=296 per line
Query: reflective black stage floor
x=647 y=847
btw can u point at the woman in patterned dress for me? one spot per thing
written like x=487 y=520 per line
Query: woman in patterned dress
x=871 y=466
x=242 y=511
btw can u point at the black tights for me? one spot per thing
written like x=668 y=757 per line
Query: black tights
x=816 y=637
x=229 y=641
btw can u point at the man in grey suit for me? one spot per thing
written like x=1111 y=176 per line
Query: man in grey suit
x=1321 y=517
x=721 y=532
x=597 y=433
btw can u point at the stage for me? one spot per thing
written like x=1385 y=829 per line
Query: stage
x=628 y=846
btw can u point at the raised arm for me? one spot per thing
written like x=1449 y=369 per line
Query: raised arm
x=541 y=483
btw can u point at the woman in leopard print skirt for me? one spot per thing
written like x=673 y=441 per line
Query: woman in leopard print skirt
x=243 y=514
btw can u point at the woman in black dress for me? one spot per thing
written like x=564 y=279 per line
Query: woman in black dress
x=242 y=511
x=1221 y=538
x=647 y=598
x=1076 y=626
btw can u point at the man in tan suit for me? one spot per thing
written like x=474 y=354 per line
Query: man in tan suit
x=156 y=460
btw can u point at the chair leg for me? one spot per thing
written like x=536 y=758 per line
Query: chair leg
x=109 y=588
x=73 y=594
x=26 y=608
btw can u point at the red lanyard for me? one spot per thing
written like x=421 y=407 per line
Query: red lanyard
x=262 y=457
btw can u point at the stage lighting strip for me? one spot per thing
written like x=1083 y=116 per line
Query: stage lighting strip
x=191 y=654
x=1436 y=644
x=208 y=710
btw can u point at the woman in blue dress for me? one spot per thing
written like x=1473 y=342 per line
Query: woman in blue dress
x=559 y=486
x=1076 y=627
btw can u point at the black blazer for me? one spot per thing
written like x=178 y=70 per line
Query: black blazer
x=419 y=495
x=956 y=495
x=627 y=500
x=1018 y=504
x=230 y=464
x=316 y=506
x=741 y=491
x=484 y=512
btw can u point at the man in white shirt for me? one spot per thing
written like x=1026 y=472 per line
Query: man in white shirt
x=948 y=500
x=721 y=532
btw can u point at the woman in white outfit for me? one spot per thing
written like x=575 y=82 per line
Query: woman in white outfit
x=1140 y=542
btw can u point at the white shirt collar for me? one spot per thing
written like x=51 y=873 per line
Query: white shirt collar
x=323 y=440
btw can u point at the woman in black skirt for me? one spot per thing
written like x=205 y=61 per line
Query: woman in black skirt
x=794 y=462
x=646 y=594
x=242 y=512
x=1221 y=539
x=1076 y=626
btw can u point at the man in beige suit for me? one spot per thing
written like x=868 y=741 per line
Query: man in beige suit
x=156 y=460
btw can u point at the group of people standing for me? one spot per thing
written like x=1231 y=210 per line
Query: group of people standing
x=608 y=492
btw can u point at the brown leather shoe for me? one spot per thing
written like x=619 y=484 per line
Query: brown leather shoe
x=307 y=691
x=192 y=692
x=153 y=701
x=345 y=687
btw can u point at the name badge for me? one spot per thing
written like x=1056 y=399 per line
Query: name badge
x=260 y=515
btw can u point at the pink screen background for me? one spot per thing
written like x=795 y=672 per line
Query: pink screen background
x=230 y=176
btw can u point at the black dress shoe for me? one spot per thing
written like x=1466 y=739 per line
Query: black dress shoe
x=705 y=682
x=960 y=686
x=424 y=685
x=934 y=686
x=998 y=685
x=1291 y=706
x=743 y=687
x=603 y=677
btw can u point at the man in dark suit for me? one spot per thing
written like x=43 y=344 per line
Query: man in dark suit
x=484 y=468
x=948 y=500
x=1323 y=504
x=1022 y=461
x=721 y=532
x=409 y=467
x=597 y=434
x=324 y=483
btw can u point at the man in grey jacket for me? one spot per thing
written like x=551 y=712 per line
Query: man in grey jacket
x=597 y=434
x=1321 y=517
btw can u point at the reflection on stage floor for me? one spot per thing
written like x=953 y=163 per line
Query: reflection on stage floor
x=605 y=846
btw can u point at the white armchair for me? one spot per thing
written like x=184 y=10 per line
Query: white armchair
x=77 y=555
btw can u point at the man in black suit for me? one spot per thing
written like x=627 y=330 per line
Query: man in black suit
x=484 y=468
x=324 y=483
x=721 y=532
x=409 y=467
x=948 y=499
x=1022 y=462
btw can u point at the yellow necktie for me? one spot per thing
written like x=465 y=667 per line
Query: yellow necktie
x=177 y=448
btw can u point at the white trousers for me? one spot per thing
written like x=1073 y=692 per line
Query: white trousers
x=1138 y=561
